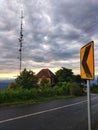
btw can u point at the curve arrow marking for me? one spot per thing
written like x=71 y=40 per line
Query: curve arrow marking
x=84 y=62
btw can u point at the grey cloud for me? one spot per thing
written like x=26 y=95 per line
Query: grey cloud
x=52 y=29
x=80 y=14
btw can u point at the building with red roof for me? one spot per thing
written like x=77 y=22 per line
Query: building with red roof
x=46 y=74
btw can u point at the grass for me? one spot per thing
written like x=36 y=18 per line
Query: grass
x=28 y=96
x=32 y=101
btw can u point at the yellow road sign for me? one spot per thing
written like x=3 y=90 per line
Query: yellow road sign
x=87 y=61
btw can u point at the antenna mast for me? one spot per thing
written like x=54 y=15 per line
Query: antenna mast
x=21 y=40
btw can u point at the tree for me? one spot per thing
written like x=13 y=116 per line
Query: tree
x=64 y=74
x=77 y=79
x=26 y=79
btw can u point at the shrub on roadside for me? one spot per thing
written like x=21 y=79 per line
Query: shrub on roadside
x=44 y=83
x=76 y=90
x=18 y=95
x=70 y=88
x=12 y=95
x=94 y=88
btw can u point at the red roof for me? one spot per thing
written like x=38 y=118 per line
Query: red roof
x=45 y=73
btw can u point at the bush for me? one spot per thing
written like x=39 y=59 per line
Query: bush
x=14 y=95
x=67 y=88
x=76 y=90
x=18 y=95
x=94 y=88
x=44 y=83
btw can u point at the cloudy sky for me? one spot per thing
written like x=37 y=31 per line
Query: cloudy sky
x=54 y=31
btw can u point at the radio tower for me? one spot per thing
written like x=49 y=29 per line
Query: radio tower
x=21 y=41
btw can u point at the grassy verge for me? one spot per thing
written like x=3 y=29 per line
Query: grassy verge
x=25 y=96
x=32 y=101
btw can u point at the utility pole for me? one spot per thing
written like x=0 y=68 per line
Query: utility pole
x=21 y=41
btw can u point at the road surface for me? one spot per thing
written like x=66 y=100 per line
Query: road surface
x=65 y=114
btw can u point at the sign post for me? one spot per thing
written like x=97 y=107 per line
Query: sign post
x=87 y=72
x=89 y=105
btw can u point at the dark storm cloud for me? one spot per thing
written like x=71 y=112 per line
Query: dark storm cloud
x=54 y=31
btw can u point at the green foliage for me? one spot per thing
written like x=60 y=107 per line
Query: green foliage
x=76 y=90
x=26 y=79
x=18 y=95
x=94 y=88
x=25 y=87
x=64 y=74
x=44 y=83
x=70 y=88
x=77 y=79
x=65 y=89
x=64 y=86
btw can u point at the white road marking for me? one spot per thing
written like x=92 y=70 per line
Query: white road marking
x=41 y=112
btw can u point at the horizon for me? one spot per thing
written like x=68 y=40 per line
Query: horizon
x=13 y=76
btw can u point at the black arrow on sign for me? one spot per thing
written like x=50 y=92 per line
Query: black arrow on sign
x=84 y=62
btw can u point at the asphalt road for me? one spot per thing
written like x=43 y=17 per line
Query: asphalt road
x=66 y=114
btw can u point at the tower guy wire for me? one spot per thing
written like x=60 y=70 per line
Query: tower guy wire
x=21 y=41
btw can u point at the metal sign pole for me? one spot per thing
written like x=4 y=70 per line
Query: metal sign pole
x=89 y=105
